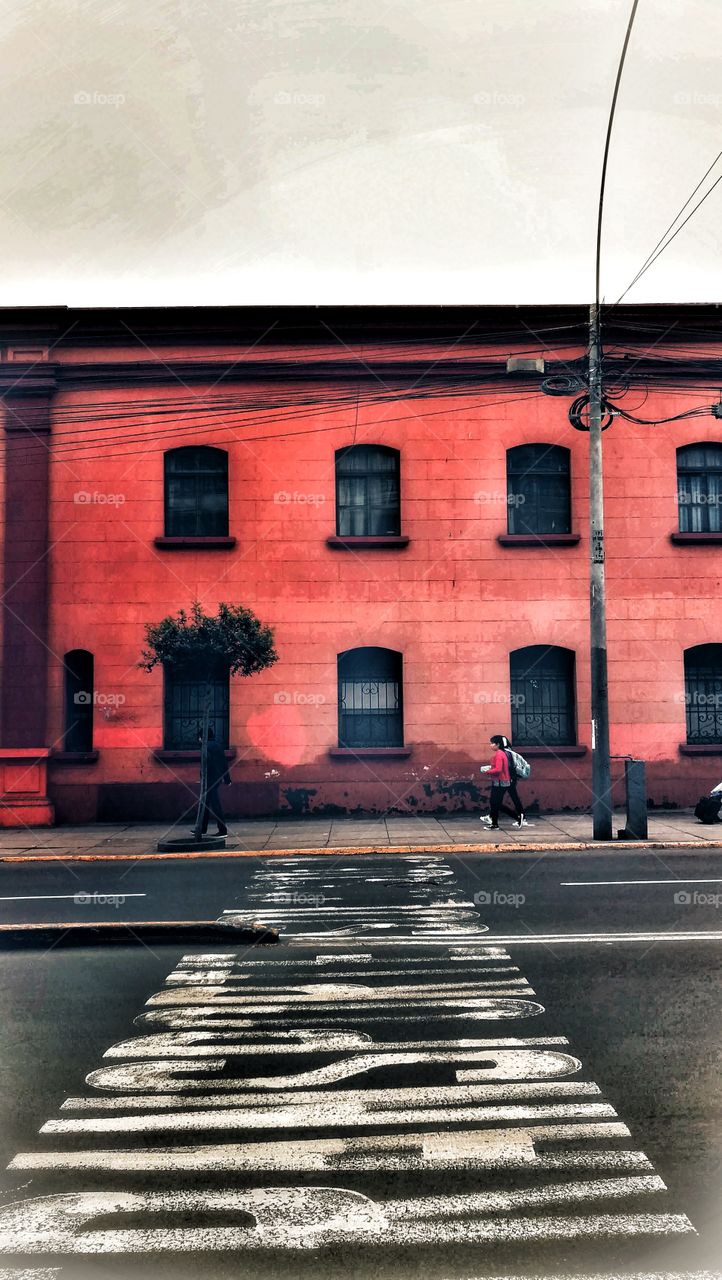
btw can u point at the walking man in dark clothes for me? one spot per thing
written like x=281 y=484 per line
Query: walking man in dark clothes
x=217 y=773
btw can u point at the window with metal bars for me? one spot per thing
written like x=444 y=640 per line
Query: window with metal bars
x=79 y=700
x=196 y=492
x=368 y=491
x=538 y=489
x=699 y=488
x=184 y=700
x=543 y=710
x=370 y=703
x=703 y=693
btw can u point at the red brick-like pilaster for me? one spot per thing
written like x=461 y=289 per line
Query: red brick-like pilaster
x=25 y=585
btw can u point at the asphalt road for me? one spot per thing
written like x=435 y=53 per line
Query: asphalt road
x=414 y=1084
x=527 y=895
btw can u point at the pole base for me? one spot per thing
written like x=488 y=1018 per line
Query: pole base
x=191 y=845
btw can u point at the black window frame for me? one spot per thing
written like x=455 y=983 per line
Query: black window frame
x=79 y=691
x=703 y=515
x=372 y=678
x=368 y=526
x=182 y=723
x=542 y=685
x=548 y=474
x=703 y=694
x=211 y=523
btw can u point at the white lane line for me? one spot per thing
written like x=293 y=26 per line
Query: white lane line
x=205 y=1019
x=197 y=975
x=614 y=1275
x=519 y=940
x=419 y=993
x=566 y=884
x=83 y=899
x=438 y=909
x=354 y=957
x=328 y=1114
x=355 y=933
x=302 y=1217
x=203 y=1044
x=470 y=1149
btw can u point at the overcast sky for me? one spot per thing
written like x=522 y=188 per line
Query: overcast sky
x=348 y=151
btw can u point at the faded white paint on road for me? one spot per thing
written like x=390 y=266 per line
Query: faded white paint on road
x=214 y=1057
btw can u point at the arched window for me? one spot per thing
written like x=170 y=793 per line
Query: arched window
x=184 y=700
x=703 y=693
x=79 y=700
x=543 y=701
x=370 y=701
x=196 y=492
x=699 y=488
x=538 y=489
x=368 y=491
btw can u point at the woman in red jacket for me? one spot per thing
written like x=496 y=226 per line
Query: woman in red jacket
x=498 y=772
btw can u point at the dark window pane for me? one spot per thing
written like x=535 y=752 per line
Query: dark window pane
x=79 y=700
x=700 y=457
x=699 y=488
x=538 y=489
x=542 y=696
x=368 y=502
x=196 y=492
x=703 y=693
x=184 y=701
x=366 y=458
x=370 y=712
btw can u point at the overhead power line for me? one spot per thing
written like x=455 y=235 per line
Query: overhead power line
x=82 y=454
x=664 y=243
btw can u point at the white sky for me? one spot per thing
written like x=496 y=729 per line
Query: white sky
x=353 y=151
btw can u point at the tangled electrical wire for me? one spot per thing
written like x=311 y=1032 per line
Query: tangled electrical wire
x=610 y=408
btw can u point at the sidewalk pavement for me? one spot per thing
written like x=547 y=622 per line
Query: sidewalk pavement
x=558 y=831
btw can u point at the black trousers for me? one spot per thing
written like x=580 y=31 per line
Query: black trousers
x=497 y=798
x=213 y=809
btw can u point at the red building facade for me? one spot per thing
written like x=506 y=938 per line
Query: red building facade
x=402 y=496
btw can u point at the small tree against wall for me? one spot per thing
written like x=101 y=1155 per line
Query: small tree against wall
x=233 y=642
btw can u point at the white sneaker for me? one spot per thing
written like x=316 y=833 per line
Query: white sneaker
x=486 y=820
x=522 y=822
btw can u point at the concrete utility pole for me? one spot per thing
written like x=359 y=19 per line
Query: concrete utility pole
x=601 y=765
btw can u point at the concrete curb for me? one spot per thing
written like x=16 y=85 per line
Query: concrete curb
x=342 y=851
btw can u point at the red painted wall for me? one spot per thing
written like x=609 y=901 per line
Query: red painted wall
x=453 y=602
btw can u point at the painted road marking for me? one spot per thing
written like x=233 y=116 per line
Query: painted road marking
x=322 y=994
x=81 y=897
x=199 y=974
x=162 y=1073
x=608 y=1275
x=208 y=1020
x=513 y=1096
x=534 y=1063
x=469 y=955
x=671 y=935
x=510 y=1148
x=566 y=884
x=354 y=991
x=328 y=1114
x=394 y=1099
x=284 y=1217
